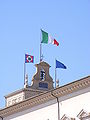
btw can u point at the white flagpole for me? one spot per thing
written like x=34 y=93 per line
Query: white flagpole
x=40 y=51
x=41 y=56
x=55 y=73
x=24 y=72
x=40 y=47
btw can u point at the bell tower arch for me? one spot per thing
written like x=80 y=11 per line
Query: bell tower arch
x=42 y=79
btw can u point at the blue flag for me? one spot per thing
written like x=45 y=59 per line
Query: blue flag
x=60 y=65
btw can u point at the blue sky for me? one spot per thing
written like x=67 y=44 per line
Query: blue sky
x=68 y=21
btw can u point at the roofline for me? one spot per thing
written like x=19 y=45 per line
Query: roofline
x=43 y=65
x=10 y=94
x=73 y=82
x=21 y=90
x=47 y=96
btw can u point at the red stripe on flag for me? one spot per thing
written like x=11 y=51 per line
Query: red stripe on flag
x=31 y=59
x=56 y=43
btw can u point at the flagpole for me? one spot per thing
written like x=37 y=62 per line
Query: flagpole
x=24 y=71
x=55 y=73
x=40 y=46
x=40 y=51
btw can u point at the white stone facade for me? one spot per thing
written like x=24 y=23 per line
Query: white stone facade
x=74 y=98
x=69 y=105
x=15 y=99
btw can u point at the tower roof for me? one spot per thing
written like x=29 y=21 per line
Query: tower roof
x=42 y=63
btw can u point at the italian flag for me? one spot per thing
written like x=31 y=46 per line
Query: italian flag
x=48 y=39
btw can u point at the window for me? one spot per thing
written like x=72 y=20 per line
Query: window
x=42 y=74
x=43 y=85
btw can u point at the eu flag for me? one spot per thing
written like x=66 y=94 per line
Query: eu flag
x=60 y=65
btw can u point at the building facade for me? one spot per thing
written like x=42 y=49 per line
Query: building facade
x=41 y=101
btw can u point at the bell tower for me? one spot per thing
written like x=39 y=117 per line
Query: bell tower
x=42 y=80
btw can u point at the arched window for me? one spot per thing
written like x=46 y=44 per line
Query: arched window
x=42 y=74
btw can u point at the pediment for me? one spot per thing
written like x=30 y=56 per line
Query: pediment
x=82 y=114
x=65 y=117
x=42 y=63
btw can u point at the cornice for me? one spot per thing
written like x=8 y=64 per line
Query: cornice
x=26 y=104
x=44 y=97
x=15 y=92
x=72 y=87
x=22 y=90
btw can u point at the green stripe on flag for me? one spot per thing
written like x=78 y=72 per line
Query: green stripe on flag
x=44 y=37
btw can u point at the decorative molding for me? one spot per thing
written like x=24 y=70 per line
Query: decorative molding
x=83 y=114
x=44 y=97
x=65 y=117
x=72 y=87
x=22 y=90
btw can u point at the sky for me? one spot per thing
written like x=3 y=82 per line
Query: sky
x=68 y=21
